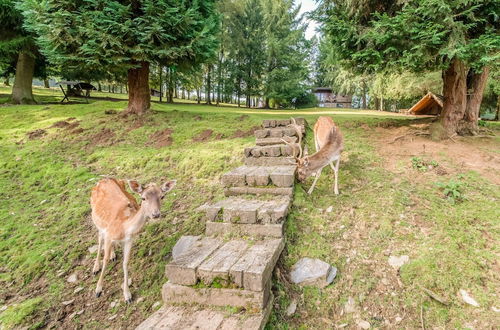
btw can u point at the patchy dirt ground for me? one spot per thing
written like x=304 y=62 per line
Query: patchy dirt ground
x=162 y=138
x=398 y=144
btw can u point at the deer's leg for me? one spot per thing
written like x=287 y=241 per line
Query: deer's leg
x=315 y=180
x=127 y=246
x=97 y=264
x=336 y=171
x=107 y=252
x=112 y=256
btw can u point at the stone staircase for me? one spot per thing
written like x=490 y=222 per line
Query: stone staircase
x=223 y=280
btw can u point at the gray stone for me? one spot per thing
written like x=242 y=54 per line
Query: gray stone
x=271 y=151
x=182 y=270
x=180 y=294
x=236 y=177
x=219 y=263
x=192 y=317
x=258 y=176
x=261 y=133
x=397 y=262
x=253 y=270
x=233 y=191
x=244 y=229
x=291 y=308
x=183 y=245
x=244 y=211
x=314 y=272
x=271 y=140
x=283 y=176
x=72 y=278
x=270 y=161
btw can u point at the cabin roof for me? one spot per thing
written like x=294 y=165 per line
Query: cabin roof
x=428 y=100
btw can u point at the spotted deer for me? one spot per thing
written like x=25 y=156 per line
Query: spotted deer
x=329 y=143
x=119 y=219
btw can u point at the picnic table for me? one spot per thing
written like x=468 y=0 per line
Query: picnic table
x=76 y=88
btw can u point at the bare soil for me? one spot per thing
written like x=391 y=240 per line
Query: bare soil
x=104 y=137
x=203 y=136
x=241 y=133
x=161 y=138
x=36 y=134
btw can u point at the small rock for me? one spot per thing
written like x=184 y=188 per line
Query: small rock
x=141 y=299
x=495 y=309
x=182 y=245
x=364 y=325
x=398 y=319
x=111 y=318
x=350 y=305
x=72 y=278
x=81 y=312
x=110 y=112
x=329 y=209
x=43 y=202
x=291 y=308
x=93 y=248
x=4 y=307
x=397 y=262
x=68 y=302
x=80 y=288
x=156 y=305
x=343 y=325
x=113 y=304
x=468 y=299
x=315 y=272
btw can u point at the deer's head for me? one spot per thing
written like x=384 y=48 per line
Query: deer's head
x=151 y=196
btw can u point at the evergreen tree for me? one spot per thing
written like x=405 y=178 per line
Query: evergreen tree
x=17 y=52
x=457 y=37
x=112 y=35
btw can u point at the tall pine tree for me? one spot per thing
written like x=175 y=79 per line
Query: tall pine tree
x=110 y=35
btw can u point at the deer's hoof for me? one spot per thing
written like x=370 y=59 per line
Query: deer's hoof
x=129 y=300
x=98 y=294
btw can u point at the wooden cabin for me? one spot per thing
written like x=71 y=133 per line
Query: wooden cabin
x=155 y=92
x=327 y=98
x=430 y=104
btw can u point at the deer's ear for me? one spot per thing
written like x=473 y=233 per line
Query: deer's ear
x=167 y=186
x=135 y=186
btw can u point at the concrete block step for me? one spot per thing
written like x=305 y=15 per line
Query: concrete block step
x=268 y=141
x=222 y=297
x=258 y=176
x=275 y=150
x=245 y=211
x=176 y=317
x=278 y=132
x=268 y=123
x=235 y=191
x=243 y=263
x=244 y=229
x=270 y=161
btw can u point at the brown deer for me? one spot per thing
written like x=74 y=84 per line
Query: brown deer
x=119 y=218
x=329 y=144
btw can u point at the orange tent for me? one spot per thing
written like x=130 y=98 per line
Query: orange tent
x=430 y=104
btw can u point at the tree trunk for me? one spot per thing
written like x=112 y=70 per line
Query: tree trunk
x=475 y=84
x=364 y=96
x=161 y=82
x=198 y=92
x=498 y=108
x=377 y=103
x=209 y=85
x=6 y=82
x=46 y=83
x=139 y=96
x=99 y=87
x=22 y=92
x=455 y=99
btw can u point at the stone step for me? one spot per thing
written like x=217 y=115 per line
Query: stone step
x=258 y=176
x=244 y=263
x=244 y=229
x=276 y=150
x=268 y=123
x=245 y=211
x=221 y=297
x=278 y=132
x=171 y=317
x=235 y=191
x=272 y=140
x=270 y=161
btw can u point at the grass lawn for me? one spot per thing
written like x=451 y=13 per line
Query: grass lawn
x=391 y=204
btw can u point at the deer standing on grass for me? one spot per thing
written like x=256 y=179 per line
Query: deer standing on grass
x=329 y=144
x=119 y=218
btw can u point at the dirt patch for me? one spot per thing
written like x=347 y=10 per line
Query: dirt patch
x=219 y=136
x=36 y=134
x=104 y=137
x=197 y=118
x=161 y=138
x=242 y=117
x=203 y=136
x=60 y=124
x=241 y=133
x=77 y=131
x=398 y=145
x=110 y=112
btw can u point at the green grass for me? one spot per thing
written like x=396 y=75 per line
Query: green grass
x=46 y=230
